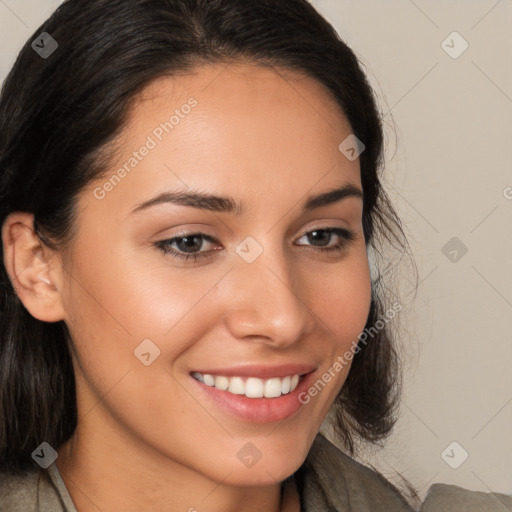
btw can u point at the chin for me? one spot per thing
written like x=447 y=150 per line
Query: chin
x=265 y=460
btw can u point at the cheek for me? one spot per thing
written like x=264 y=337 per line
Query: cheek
x=114 y=302
x=341 y=297
x=128 y=297
x=116 y=305
x=341 y=300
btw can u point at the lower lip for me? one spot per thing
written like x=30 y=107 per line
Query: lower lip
x=257 y=410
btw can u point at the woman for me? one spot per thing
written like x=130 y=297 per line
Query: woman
x=140 y=371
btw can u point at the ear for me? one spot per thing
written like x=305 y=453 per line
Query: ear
x=28 y=263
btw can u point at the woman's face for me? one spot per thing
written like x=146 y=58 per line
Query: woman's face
x=263 y=303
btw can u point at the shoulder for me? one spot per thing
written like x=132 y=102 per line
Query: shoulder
x=18 y=492
x=451 y=498
x=331 y=480
x=31 y=491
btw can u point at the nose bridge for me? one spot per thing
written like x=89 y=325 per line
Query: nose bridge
x=267 y=303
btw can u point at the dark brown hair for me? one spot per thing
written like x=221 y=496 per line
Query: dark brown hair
x=57 y=118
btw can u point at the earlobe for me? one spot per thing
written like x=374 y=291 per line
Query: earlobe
x=28 y=263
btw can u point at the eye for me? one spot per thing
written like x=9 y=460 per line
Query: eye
x=186 y=244
x=324 y=235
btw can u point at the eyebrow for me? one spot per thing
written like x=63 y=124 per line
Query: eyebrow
x=219 y=204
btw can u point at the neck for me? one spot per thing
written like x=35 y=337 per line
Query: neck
x=112 y=472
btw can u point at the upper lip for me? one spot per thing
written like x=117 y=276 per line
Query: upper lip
x=259 y=371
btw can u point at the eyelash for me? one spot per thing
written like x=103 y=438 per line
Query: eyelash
x=346 y=235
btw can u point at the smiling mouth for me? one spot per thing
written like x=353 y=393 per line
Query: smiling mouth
x=251 y=387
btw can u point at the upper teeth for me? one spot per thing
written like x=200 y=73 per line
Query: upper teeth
x=252 y=387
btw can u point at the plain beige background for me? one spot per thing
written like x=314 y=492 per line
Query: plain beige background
x=449 y=170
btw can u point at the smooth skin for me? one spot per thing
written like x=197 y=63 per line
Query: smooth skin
x=147 y=439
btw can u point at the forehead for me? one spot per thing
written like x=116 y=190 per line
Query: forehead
x=238 y=129
x=244 y=94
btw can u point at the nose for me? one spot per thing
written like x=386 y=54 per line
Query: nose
x=268 y=303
